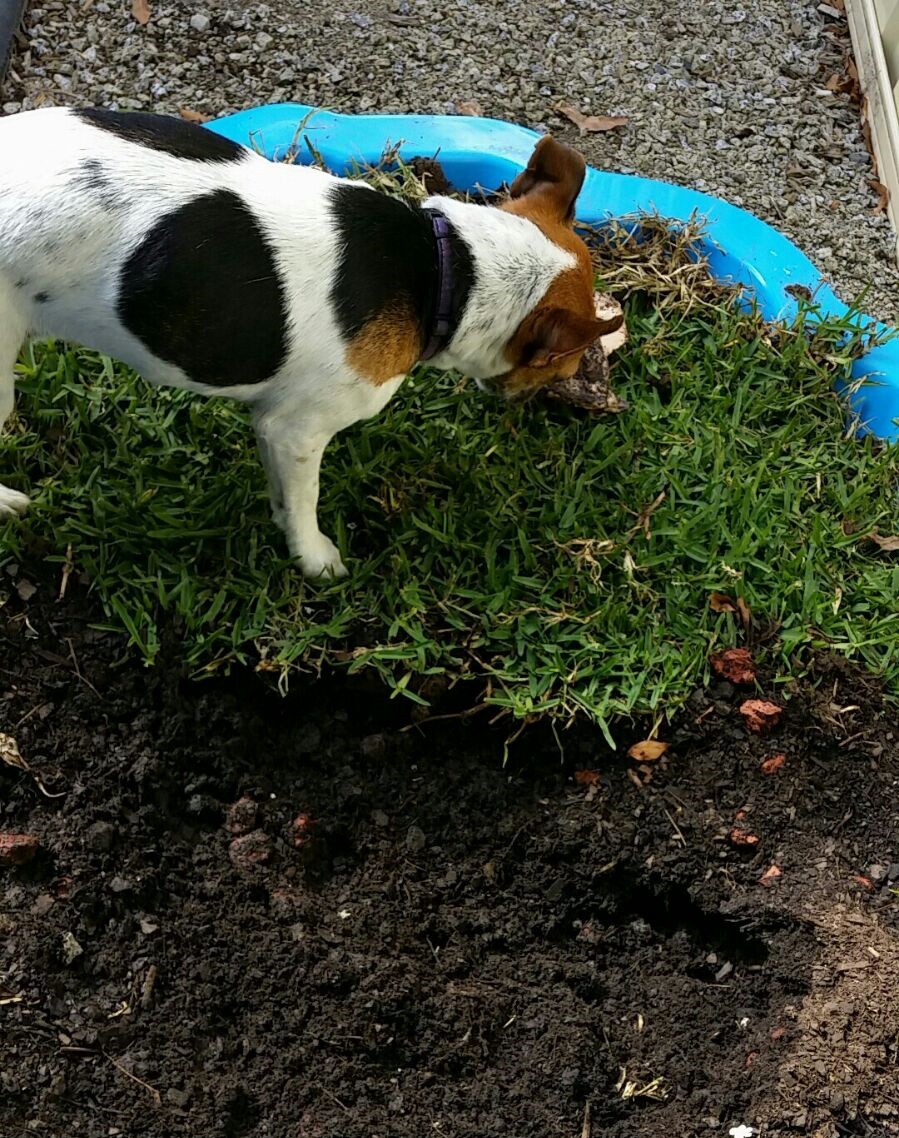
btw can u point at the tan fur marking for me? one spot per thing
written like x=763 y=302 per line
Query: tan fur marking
x=571 y=290
x=386 y=347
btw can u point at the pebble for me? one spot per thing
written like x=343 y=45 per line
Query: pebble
x=415 y=839
x=100 y=836
x=756 y=82
x=242 y=816
x=250 y=851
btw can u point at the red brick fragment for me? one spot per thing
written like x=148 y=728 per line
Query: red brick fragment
x=17 y=849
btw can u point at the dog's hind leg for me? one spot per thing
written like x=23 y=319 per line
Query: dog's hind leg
x=13 y=328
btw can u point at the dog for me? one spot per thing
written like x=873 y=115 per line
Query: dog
x=203 y=265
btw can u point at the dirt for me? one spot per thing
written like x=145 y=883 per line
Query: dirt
x=312 y=917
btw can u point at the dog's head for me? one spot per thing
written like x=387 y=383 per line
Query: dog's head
x=551 y=340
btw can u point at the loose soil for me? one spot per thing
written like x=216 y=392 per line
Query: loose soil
x=312 y=917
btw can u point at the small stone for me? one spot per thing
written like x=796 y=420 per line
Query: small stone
x=380 y=818
x=264 y=41
x=415 y=839
x=43 y=904
x=242 y=816
x=71 y=949
x=250 y=851
x=120 y=885
x=285 y=902
x=878 y=873
x=374 y=746
x=100 y=836
x=893 y=871
x=302 y=828
x=200 y=22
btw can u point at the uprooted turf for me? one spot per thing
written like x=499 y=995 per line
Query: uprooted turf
x=567 y=561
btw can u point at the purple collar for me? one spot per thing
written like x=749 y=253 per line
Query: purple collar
x=443 y=327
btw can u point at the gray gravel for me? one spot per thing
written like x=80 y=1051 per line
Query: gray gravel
x=728 y=100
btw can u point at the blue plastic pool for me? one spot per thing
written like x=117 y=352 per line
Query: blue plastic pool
x=484 y=153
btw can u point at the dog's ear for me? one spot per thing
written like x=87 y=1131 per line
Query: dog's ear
x=554 y=177
x=550 y=334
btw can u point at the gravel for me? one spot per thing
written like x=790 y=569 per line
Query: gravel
x=728 y=100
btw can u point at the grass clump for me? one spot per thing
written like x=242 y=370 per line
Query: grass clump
x=564 y=560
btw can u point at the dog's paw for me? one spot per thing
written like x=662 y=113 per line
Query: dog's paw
x=321 y=559
x=12 y=502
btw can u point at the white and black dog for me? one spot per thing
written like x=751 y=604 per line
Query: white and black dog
x=203 y=265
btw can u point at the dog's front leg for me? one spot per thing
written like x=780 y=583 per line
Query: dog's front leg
x=292 y=450
x=13 y=325
x=299 y=466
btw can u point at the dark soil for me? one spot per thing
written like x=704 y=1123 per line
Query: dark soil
x=253 y=916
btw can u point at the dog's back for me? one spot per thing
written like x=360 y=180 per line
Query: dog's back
x=91 y=203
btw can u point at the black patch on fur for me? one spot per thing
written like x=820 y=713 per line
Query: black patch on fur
x=164 y=133
x=41 y=297
x=91 y=176
x=20 y=283
x=202 y=291
x=388 y=259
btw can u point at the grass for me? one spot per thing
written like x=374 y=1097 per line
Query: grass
x=567 y=562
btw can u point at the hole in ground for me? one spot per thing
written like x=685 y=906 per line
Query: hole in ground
x=669 y=909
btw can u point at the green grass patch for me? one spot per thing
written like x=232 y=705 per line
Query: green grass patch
x=565 y=561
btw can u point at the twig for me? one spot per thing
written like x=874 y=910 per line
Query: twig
x=66 y=572
x=466 y=714
x=146 y=992
x=78 y=673
x=157 y=1097
x=677 y=828
x=587 y=1129
x=334 y=1098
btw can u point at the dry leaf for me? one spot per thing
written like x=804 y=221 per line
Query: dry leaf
x=760 y=715
x=586 y=778
x=193 y=116
x=883 y=195
x=648 y=751
x=745 y=612
x=890 y=544
x=865 y=882
x=734 y=664
x=470 y=107
x=590 y=124
x=772 y=765
x=741 y=837
x=140 y=10
x=721 y=602
x=10 y=754
x=770 y=876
